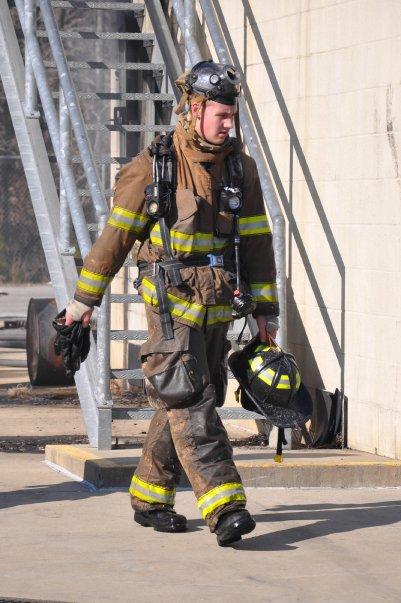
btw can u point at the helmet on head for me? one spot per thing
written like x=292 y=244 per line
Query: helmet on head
x=215 y=81
x=209 y=81
x=270 y=383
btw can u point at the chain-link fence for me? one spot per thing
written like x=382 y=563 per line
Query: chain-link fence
x=21 y=254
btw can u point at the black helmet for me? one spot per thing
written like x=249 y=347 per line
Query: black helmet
x=270 y=383
x=215 y=81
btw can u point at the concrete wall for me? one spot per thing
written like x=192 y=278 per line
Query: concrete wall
x=337 y=66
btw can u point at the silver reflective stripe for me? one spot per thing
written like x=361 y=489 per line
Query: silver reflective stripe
x=219 y=242
x=219 y=314
x=194 y=240
x=128 y=221
x=253 y=225
x=219 y=496
x=163 y=498
x=178 y=307
x=186 y=308
x=264 y=291
x=98 y=284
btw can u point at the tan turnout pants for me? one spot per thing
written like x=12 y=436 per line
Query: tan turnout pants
x=186 y=378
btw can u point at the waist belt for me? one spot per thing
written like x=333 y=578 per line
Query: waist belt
x=157 y=270
x=154 y=268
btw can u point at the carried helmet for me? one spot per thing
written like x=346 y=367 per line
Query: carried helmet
x=270 y=383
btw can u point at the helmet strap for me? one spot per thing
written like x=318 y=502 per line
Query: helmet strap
x=280 y=441
x=238 y=135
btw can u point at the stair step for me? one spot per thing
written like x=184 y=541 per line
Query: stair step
x=100 y=35
x=126 y=374
x=129 y=128
x=84 y=192
x=127 y=335
x=111 y=65
x=126 y=298
x=97 y=5
x=99 y=160
x=146 y=414
x=127 y=96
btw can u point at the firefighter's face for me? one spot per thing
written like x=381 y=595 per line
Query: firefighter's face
x=214 y=120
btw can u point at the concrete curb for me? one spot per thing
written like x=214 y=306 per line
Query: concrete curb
x=348 y=469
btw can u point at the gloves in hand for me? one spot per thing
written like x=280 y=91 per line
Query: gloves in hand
x=72 y=343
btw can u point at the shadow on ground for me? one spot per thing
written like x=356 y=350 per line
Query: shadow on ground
x=323 y=520
x=45 y=493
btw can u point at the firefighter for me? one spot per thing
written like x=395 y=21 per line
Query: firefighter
x=194 y=201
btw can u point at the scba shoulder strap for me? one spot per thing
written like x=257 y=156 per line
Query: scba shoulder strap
x=162 y=196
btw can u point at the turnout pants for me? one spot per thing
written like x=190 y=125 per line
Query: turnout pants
x=186 y=378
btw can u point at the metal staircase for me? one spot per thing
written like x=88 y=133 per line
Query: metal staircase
x=69 y=213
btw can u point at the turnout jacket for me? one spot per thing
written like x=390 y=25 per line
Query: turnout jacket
x=197 y=228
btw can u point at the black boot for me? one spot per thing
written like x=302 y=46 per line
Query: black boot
x=161 y=520
x=231 y=526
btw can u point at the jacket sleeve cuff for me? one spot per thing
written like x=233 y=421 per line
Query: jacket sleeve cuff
x=87 y=300
x=77 y=309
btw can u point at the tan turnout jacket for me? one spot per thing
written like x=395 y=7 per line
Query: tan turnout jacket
x=206 y=292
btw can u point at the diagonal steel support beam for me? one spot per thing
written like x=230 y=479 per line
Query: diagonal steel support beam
x=45 y=202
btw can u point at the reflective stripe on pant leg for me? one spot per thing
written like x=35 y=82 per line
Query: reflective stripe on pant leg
x=221 y=495
x=150 y=492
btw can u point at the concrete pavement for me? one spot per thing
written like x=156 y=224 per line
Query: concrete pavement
x=62 y=542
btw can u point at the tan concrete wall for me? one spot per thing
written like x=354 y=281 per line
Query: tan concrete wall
x=337 y=65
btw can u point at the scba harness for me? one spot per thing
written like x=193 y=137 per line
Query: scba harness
x=160 y=206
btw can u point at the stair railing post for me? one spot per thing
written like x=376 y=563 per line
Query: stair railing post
x=269 y=193
x=105 y=401
x=189 y=29
x=31 y=96
x=65 y=246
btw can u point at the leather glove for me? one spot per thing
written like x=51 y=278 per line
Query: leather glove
x=72 y=343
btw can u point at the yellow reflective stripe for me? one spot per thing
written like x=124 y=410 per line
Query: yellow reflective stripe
x=219 y=314
x=264 y=292
x=255 y=362
x=124 y=219
x=220 y=243
x=284 y=382
x=267 y=376
x=150 y=492
x=221 y=495
x=91 y=282
x=179 y=308
x=263 y=348
x=254 y=225
x=180 y=241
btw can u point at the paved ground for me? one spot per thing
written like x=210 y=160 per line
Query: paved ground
x=64 y=543
x=14 y=299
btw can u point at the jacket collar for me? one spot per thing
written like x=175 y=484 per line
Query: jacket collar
x=200 y=151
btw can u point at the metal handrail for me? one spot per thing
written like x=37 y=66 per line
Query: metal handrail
x=251 y=141
x=72 y=102
x=52 y=120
